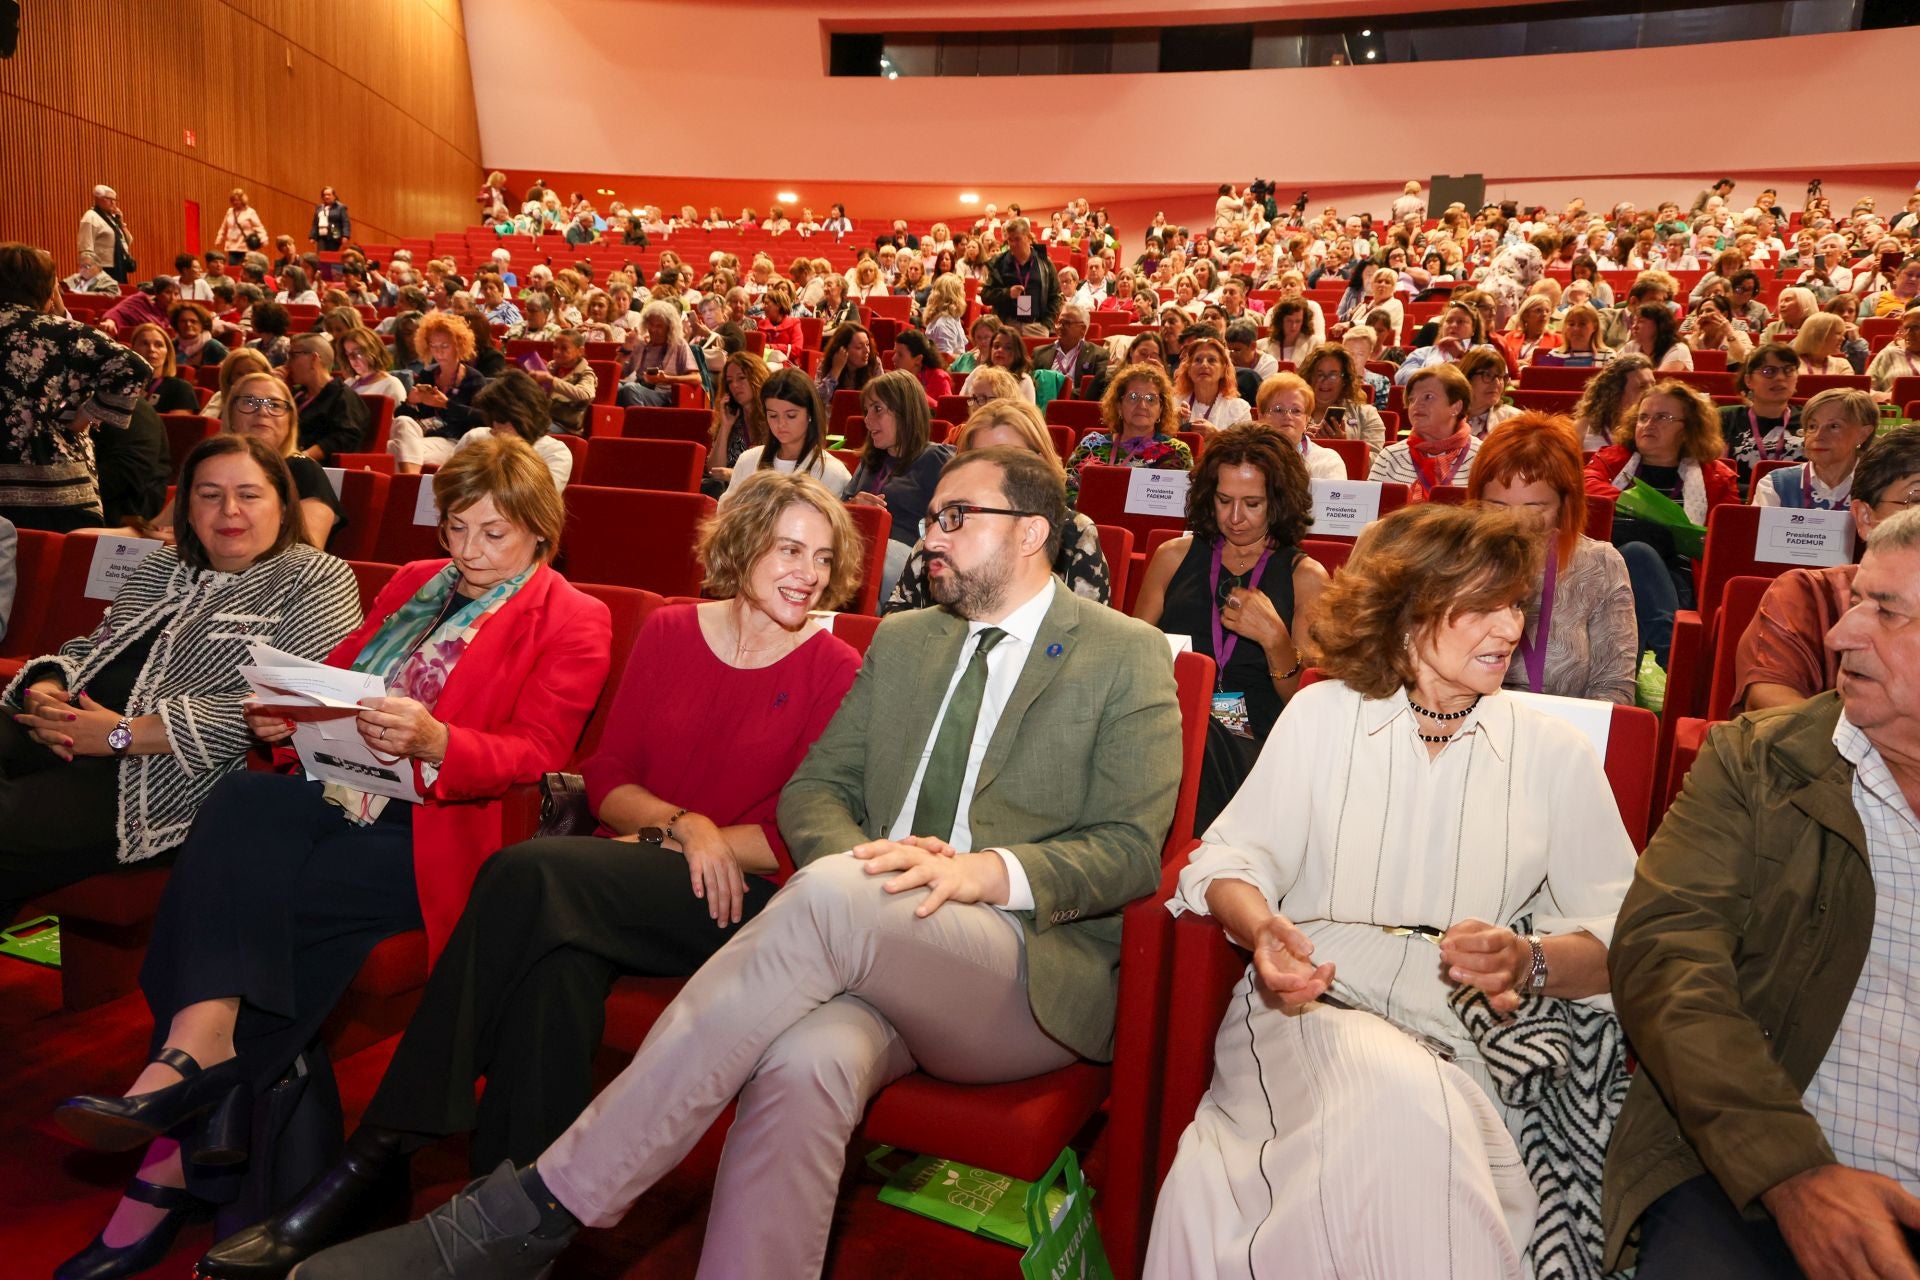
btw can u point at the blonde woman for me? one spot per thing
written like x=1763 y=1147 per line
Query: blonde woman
x=865 y=281
x=945 y=315
x=241 y=229
x=1206 y=394
x=1818 y=345
x=240 y=361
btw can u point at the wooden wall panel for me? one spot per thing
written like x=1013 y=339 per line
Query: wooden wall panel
x=374 y=97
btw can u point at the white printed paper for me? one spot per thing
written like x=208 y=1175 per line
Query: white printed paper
x=1342 y=508
x=324 y=704
x=1589 y=716
x=336 y=476
x=424 y=510
x=1179 y=644
x=115 y=557
x=1791 y=535
x=1152 y=492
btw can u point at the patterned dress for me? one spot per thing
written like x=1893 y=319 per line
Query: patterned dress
x=57 y=376
x=1161 y=452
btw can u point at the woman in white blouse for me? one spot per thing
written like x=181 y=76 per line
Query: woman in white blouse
x=1285 y=403
x=1351 y=1127
x=797 y=435
x=1206 y=394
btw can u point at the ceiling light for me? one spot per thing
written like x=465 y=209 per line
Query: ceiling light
x=785 y=197
x=893 y=75
x=1372 y=54
x=1367 y=32
x=605 y=191
x=969 y=197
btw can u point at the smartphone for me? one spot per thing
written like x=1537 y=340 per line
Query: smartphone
x=1819 y=262
x=1890 y=261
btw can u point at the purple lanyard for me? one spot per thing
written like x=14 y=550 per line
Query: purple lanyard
x=1534 y=652
x=1223 y=641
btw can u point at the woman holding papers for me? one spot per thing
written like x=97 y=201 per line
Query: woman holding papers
x=1668 y=455
x=1241 y=589
x=111 y=744
x=492 y=663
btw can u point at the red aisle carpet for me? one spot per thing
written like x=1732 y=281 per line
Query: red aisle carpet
x=54 y=1196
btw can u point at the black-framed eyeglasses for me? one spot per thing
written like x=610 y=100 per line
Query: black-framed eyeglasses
x=951 y=517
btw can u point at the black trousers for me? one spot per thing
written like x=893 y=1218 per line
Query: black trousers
x=1694 y=1233
x=276 y=898
x=57 y=818
x=518 y=995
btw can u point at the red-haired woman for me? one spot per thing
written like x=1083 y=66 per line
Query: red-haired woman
x=1581 y=637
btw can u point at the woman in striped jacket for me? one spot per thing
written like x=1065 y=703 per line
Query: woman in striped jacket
x=116 y=739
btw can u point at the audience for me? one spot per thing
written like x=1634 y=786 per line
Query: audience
x=439 y=409
x=1672 y=445
x=1758 y=966
x=999 y=914
x=1484 y=865
x=369 y=367
x=1138 y=427
x=570 y=383
x=1531 y=464
x=166 y=391
x=1283 y=403
x=1238 y=574
x=739 y=421
x=514 y=406
x=492 y=663
x=660 y=362
x=1440 y=449
x=1343 y=401
x=193 y=340
x=669 y=859
x=1836 y=426
x=900 y=465
x=796 y=425
x=1206 y=396
x=333 y=417
x=1782 y=657
x=1009 y=422
x=1766 y=427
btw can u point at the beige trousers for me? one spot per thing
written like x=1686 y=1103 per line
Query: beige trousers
x=827 y=995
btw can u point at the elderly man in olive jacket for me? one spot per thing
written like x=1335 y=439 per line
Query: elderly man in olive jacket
x=1767 y=969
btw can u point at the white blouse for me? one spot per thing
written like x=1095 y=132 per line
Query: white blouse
x=828 y=470
x=1347 y=825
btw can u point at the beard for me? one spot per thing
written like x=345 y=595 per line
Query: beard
x=970 y=595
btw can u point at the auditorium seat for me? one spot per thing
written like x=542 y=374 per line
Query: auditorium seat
x=380 y=422
x=1355 y=453
x=1077 y=415
x=634 y=538
x=184 y=430
x=671 y=466
x=363 y=501
x=875 y=525
x=649 y=423
x=36 y=570
x=398 y=538
x=1116 y=545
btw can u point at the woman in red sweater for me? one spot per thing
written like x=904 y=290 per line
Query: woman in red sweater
x=1672 y=443
x=718 y=706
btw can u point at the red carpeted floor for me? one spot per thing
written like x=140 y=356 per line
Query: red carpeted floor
x=55 y=1196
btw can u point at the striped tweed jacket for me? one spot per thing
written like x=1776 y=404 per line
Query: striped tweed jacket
x=301 y=601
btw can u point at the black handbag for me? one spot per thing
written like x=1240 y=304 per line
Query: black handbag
x=297 y=1128
x=564 y=810
x=256 y=239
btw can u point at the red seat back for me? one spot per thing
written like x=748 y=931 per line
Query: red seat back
x=1355 y=453
x=845 y=405
x=70 y=610
x=635 y=538
x=650 y=423
x=671 y=466
x=629 y=608
x=363 y=501
x=1116 y=544
x=1733 y=531
x=1737 y=609
x=876 y=528
x=1536 y=377
x=36 y=570
x=1103 y=499
x=1076 y=414
x=607 y=373
x=184 y=430
x=1331 y=555
x=371 y=578
x=380 y=422
x=1812 y=384
x=397 y=539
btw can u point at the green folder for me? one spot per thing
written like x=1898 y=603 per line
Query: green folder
x=36 y=941
x=1644 y=502
x=979 y=1201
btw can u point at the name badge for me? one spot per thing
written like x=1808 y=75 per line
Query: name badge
x=1023 y=305
x=1809 y=538
x=1230 y=710
x=1342 y=508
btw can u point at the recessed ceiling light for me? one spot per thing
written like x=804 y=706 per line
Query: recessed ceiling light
x=893 y=75
x=1372 y=54
x=605 y=191
x=1367 y=32
x=969 y=197
x=785 y=197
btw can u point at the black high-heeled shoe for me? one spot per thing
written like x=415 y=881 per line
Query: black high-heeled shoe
x=343 y=1202
x=121 y=1124
x=102 y=1261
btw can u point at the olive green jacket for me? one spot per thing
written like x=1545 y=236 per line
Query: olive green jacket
x=1738 y=949
x=1078 y=783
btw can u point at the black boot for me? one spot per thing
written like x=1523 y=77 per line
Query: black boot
x=102 y=1261
x=341 y=1203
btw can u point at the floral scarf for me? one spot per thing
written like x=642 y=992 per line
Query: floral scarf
x=415 y=651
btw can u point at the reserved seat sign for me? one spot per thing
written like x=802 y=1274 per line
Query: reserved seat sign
x=1342 y=508
x=1804 y=537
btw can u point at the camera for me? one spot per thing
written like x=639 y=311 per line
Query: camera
x=1300 y=202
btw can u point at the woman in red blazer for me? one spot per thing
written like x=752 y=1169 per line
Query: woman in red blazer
x=492 y=663
x=1671 y=443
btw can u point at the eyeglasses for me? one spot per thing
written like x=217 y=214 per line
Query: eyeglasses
x=1329 y=375
x=950 y=518
x=1285 y=411
x=1664 y=419
x=268 y=405
x=1774 y=370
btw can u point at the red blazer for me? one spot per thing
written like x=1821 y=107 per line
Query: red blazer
x=1721 y=484
x=514 y=708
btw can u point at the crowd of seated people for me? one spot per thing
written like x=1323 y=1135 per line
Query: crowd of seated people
x=1005 y=750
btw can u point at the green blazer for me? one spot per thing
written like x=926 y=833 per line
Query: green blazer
x=1078 y=783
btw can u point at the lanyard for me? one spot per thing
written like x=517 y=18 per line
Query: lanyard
x=1534 y=652
x=1760 y=437
x=1223 y=641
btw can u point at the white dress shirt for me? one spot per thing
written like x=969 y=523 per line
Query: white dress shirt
x=1866 y=1093
x=1005 y=661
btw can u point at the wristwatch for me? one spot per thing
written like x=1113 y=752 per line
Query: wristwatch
x=1537 y=973
x=120 y=737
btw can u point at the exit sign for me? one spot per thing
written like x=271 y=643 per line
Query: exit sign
x=186 y=136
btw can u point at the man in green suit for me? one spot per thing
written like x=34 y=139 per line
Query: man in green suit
x=994 y=790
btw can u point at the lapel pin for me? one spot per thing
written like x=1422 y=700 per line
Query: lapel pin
x=1055 y=650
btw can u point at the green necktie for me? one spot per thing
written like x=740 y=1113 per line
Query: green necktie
x=947 y=766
